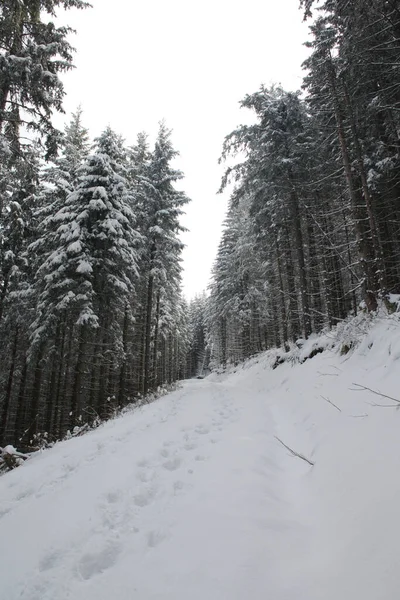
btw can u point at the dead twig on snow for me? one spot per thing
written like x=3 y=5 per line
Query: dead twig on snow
x=330 y=402
x=295 y=453
x=364 y=388
x=328 y=374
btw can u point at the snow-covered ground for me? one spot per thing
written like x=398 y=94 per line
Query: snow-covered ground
x=193 y=497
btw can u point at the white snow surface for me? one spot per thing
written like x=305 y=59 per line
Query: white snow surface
x=194 y=497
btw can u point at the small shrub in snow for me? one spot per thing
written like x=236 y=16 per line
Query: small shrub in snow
x=10 y=458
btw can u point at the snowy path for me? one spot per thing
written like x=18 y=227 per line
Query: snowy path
x=183 y=500
x=193 y=498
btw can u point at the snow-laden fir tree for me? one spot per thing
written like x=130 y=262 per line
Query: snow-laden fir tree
x=33 y=54
x=161 y=265
x=86 y=281
x=276 y=170
x=237 y=309
x=18 y=228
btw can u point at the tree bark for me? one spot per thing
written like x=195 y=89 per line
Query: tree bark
x=369 y=287
x=7 y=397
x=147 y=358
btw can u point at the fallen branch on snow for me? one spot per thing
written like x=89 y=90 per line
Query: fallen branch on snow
x=364 y=388
x=330 y=402
x=295 y=453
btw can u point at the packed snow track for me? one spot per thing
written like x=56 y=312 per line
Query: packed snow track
x=177 y=500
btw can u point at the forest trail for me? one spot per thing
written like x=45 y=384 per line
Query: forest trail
x=193 y=496
x=186 y=498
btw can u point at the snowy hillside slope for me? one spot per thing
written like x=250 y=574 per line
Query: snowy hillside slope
x=194 y=497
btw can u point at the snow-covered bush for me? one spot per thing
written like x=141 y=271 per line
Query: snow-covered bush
x=10 y=458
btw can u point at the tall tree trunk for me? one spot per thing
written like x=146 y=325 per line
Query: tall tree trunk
x=7 y=397
x=299 y=249
x=105 y=365
x=156 y=342
x=147 y=358
x=36 y=394
x=123 y=369
x=64 y=397
x=57 y=408
x=292 y=301
x=223 y=340
x=3 y=293
x=49 y=400
x=376 y=241
x=369 y=286
x=77 y=383
x=314 y=278
x=282 y=320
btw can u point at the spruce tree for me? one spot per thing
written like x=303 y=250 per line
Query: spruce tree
x=90 y=268
x=162 y=229
x=33 y=54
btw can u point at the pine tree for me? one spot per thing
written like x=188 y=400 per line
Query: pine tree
x=350 y=79
x=17 y=295
x=33 y=54
x=161 y=231
x=276 y=170
x=88 y=274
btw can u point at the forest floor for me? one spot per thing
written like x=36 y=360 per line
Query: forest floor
x=194 y=497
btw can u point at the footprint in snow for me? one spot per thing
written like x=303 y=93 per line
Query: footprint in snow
x=178 y=486
x=202 y=430
x=145 y=476
x=112 y=497
x=50 y=560
x=154 y=538
x=95 y=563
x=190 y=446
x=24 y=494
x=34 y=592
x=4 y=511
x=144 y=498
x=172 y=464
x=69 y=468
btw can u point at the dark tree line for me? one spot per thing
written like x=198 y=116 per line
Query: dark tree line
x=91 y=313
x=313 y=227
x=198 y=356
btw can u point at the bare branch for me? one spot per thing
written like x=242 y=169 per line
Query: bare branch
x=295 y=453
x=383 y=405
x=364 y=388
x=330 y=402
x=328 y=374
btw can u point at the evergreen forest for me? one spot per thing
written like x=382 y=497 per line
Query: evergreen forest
x=92 y=315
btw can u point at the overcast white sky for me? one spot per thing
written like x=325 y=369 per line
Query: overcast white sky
x=190 y=63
